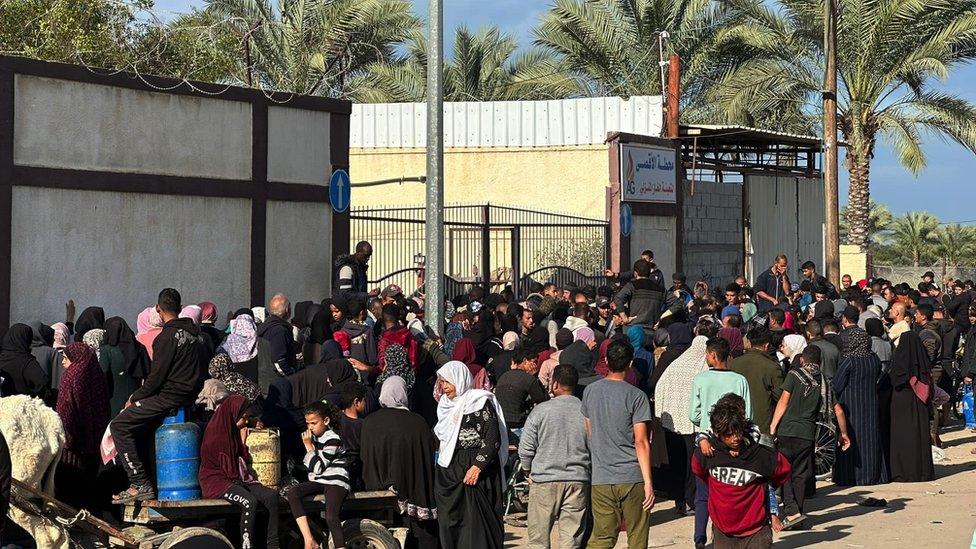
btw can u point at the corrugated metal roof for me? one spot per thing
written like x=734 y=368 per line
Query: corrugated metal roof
x=555 y=123
x=739 y=133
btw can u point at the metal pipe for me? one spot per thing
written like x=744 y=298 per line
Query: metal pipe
x=434 y=232
x=401 y=180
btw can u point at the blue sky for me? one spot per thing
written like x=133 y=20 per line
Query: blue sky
x=934 y=190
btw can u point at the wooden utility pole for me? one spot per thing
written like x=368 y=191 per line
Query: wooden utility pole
x=832 y=254
x=674 y=96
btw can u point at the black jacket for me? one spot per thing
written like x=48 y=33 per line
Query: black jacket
x=6 y=474
x=357 y=285
x=178 y=365
x=642 y=299
x=278 y=334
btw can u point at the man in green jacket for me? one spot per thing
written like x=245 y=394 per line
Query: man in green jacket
x=764 y=376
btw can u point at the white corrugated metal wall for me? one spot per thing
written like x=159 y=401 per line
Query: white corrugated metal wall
x=554 y=123
x=786 y=215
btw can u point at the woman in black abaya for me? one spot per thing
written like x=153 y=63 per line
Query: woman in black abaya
x=473 y=450
x=911 y=455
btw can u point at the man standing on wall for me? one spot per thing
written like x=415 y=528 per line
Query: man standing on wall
x=350 y=272
x=772 y=286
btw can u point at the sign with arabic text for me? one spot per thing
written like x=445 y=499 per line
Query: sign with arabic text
x=648 y=174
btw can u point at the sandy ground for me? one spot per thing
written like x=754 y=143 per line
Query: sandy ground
x=938 y=514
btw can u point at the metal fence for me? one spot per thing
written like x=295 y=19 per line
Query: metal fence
x=912 y=275
x=484 y=244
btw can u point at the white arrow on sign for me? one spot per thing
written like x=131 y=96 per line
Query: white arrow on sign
x=340 y=184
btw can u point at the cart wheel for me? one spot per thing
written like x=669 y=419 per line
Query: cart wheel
x=824 y=451
x=196 y=538
x=366 y=534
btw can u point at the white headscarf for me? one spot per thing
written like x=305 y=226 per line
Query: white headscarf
x=510 y=341
x=794 y=344
x=393 y=393
x=466 y=401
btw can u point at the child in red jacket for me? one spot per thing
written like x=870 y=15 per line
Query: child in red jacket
x=737 y=475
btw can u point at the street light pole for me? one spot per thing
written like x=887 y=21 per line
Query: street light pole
x=434 y=227
x=830 y=144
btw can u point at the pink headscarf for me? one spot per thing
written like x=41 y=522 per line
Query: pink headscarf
x=62 y=336
x=208 y=312
x=585 y=334
x=192 y=312
x=148 y=326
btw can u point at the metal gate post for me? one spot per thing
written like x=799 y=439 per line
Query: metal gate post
x=517 y=260
x=486 y=247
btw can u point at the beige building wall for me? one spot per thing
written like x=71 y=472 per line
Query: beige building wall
x=567 y=179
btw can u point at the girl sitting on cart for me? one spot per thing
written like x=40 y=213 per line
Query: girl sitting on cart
x=328 y=472
x=225 y=470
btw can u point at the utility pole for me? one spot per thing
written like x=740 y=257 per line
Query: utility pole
x=434 y=227
x=830 y=144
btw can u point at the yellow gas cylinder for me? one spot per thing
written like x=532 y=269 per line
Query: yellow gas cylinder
x=265 y=448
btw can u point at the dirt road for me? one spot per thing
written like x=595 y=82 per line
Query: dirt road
x=931 y=515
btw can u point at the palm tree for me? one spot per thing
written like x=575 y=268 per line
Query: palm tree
x=312 y=47
x=889 y=53
x=484 y=67
x=955 y=243
x=880 y=220
x=914 y=236
x=611 y=46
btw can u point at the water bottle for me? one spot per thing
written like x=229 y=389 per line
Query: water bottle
x=968 y=413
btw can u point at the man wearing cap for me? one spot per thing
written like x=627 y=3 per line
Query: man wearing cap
x=603 y=321
x=390 y=293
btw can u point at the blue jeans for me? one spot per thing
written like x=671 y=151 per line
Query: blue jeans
x=701 y=510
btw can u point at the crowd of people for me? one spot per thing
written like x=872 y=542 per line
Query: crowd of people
x=601 y=395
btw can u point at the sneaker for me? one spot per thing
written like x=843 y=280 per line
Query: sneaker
x=144 y=492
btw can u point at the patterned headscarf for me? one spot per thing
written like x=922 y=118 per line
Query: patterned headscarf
x=95 y=339
x=857 y=342
x=452 y=335
x=83 y=401
x=242 y=342
x=585 y=334
x=221 y=370
x=397 y=364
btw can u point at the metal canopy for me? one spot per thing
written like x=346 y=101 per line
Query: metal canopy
x=711 y=150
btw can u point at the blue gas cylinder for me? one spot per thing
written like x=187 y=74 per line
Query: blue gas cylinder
x=969 y=414
x=178 y=458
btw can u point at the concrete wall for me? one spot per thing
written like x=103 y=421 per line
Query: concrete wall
x=298 y=146
x=117 y=250
x=657 y=234
x=712 y=232
x=569 y=179
x=75 y=125
x=153 y=189
x=299 y=255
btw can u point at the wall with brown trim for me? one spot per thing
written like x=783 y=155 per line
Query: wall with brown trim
x=113 y=186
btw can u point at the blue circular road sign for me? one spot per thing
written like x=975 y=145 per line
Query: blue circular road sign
x=626 y=219
x=339 y=191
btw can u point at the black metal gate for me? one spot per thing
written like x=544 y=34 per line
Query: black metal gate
x=484 y=244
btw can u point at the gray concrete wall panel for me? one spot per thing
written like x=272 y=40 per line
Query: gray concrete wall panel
x=117 y=250
x=712 y=232
x=298 y=146
x=299 y=250
x=64 y=124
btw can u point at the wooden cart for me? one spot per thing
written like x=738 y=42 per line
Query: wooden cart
x=372 y=520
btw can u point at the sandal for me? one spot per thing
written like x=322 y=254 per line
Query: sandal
x=142 y=493
x=789 y=523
